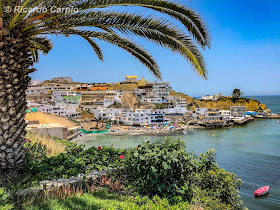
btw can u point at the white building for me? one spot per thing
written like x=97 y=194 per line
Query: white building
x=126 y=116
x=178 y=101
x=225 y=114
x=135 y=116
x=237 y=111
x=112 y=96
x=157 y=119
x=162 y=89
x=152 y=99
x=212 y=98
x=201 y=111
x=176 y=110
x=214 y=117
x=106 y=113
x=60 y=110
x=66 y=98
x=147 y=89
x=35 y=90
x=55 y=87
x=207 y=97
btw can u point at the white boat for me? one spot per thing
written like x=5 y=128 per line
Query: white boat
x=278 y=121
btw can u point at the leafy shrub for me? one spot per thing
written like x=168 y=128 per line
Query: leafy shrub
x=74 y=161
x=3 y=200
x=37 y=151
x=160 y=168
x=164 y=168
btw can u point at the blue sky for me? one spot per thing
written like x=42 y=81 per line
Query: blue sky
x=244 y=54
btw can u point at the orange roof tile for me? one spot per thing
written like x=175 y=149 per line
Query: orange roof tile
x=99 y=88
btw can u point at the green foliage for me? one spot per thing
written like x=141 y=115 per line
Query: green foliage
x=237 y=93
x=159 y=168
x=164 y=168
x=37 y=151
x=76 y=160
x=102 y=199
x=4 y=205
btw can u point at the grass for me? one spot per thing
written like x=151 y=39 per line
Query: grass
x=53 y=147
x=102 y=199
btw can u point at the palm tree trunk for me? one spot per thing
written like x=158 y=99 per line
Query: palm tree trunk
x=14 y=69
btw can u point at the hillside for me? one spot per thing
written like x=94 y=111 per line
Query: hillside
x=226 y=103
x=191 y=102
x=129 y=101
x=222 y=104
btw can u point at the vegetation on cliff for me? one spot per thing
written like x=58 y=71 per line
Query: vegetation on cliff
x=162 y=173
x=223 y=103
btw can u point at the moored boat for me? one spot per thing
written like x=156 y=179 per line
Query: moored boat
x=262 y=190
x=278 y=121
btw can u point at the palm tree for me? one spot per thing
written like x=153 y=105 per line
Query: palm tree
x=26 y=24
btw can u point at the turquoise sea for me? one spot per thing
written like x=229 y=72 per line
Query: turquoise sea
x=251 y=151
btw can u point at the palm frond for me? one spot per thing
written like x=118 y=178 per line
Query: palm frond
x=41 y=44
x=95 y=47
x=158 y=30
x=135 y=50
x=189 y=18
x=99 y=19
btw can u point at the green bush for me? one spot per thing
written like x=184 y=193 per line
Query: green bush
x=4 y=205
x=76 y=160
x=37 y=151
x=159 y=169
x=164 y=168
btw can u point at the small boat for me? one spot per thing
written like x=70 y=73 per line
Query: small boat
x=262 y=191
x=278 y=121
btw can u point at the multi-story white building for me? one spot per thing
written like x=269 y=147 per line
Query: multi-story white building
x=106 y=113
x=135 y=116
x=214 y=117
x=157 y=119
x=162 y=89
x=126 y=116
x=178 y=101
x=199 y=112
x=66 y=98
x=237 y=111
x=35 y=90
x=225 y=114
x=113 y=96
x=60 y=110
x=212 y=98
x=152 y=99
